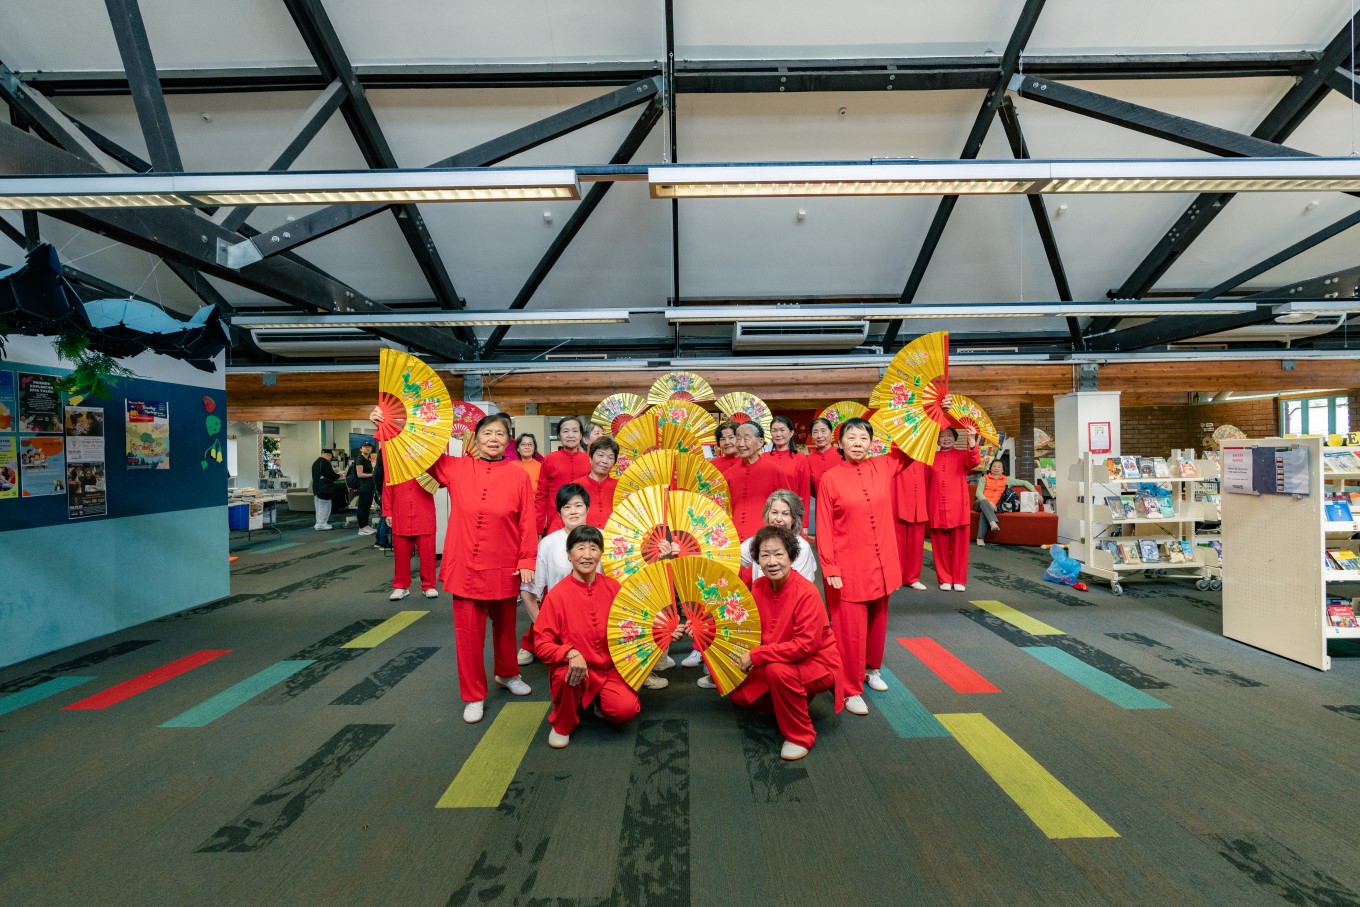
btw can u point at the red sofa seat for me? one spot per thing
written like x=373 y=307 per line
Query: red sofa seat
x=1020 y=529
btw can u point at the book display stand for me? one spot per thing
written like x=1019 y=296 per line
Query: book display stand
x=1276 y=554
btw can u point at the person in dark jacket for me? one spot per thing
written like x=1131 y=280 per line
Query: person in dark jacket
x=323 y=489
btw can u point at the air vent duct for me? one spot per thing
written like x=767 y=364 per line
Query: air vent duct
x=337 y=343
x=799 y=335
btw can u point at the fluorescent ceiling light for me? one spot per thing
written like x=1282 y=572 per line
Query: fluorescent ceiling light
x=307 y=188
x=727 y=314
x=430 y=319
x=1319 y=307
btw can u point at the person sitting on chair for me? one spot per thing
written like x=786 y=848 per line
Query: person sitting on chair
x=992 y=490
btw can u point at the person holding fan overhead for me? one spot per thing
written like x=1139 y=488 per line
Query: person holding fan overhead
x=794 y=468
x=950 y=506
x=568 y=464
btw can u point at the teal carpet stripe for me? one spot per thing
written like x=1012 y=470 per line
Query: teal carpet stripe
x=209 y=710
x=908 y=717
x=15 y=701
x=1095 y=680
x=351 y=535
x=272 y=548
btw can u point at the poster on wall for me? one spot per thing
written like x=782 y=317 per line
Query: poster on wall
x=148 y=434
x=9 y=467
x=84 y=434
x=7 y=408
x=39 y=403
x=42 y=466
x=85 y=490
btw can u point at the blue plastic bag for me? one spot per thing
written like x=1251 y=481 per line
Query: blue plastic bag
x=1062 y=568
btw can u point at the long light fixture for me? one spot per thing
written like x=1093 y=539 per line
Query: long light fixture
x=1320 y=307
x=303 y=188
x=1004 y=177
x=462 y=317
x=728 y=314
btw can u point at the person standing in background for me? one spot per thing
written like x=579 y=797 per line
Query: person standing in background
x=752 y=480
x=528 y=458
x=794 y=468
x=909 y=506
x=822 y=456
x=410 y=508
x=323 y=489
x=363 y=471
x=569 y=464
x=600 y=483
x=725 y=446
x=950 y=507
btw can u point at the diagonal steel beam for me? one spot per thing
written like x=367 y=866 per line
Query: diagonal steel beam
x=330 y=219
x=1282 y=256
x=631 y=143
x=1299 y=101
x=1010 y=122
x=135 y=50
x=1345 y=82
x=1024 y=27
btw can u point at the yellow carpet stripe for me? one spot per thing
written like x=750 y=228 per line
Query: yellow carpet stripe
x=1019 y=619
x=483 y=779
x=1050 y=805
x=385 y=630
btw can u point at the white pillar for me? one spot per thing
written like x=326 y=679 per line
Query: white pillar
x=1073 y=415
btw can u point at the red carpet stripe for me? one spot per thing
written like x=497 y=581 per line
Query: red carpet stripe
x=129 y=688
x=948 y=666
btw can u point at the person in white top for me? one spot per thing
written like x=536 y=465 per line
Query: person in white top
x=783 y=508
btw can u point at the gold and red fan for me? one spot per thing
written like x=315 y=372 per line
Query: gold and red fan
x=417 y=415
x=676 y=426
x=913 y=401
x=651 y=603
x=838 y=413
x=740 y=406
x=466 y=416
x=680 y=387
x=698 y=526
x=617 y=410
x=677 y=472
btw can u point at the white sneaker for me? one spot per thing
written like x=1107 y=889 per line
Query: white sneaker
x=693 y=660
x=665 y=664
x=792 y=752
x=398 y=594
x=323 y=528
x=855 y=705
x=876 y=682
x=558 y=741
x=368 y=530
x=652 y=682
x=981 y=543
x=472 y=712
x=959 y=587
x=996 y=527
x=515 y=685
x=431 y=593
x=706 y=683
x=525 y=657
x=919 y=586
x=946 y=587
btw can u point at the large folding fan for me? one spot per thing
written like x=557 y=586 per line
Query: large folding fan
x=837 y=413
x=681 y=387
x=617 y=410
x=675 y=471
x=740 y=406
x=913 y=399
x=698 y=526
x=417 y=415
x=676 y=426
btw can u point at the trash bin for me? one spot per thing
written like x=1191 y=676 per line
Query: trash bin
x=238 y=517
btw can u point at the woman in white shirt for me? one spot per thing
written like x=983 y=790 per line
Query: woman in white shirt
x=783 y=508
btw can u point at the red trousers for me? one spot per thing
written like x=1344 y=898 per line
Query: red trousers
x=950 y=548
x=779 y=687
x=618 y=701
x=469 y=631
x=402 y=546
x=911 y=545
x=861 y=630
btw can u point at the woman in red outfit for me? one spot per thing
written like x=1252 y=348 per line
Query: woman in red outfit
x=909 y=502
x=410 y=513
x=797 y=657
x=822 y=456
x=857 y=545
x=571 y=637
x=751 y=480
x=604 y=453
x=951 y=507
x=489 y=550
x=725 y=446
x=569 y=464
x=794 y=468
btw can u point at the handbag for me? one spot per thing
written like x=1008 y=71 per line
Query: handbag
x=1009 y=502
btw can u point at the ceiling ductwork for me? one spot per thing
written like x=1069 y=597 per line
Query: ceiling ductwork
x=799 y=335
x=337 y=343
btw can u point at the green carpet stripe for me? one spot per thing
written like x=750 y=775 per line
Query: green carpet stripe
x=908 y=717
x=1097 y=681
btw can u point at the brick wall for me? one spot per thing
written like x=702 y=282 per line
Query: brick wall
x=1258 y=418
x=1154 y=431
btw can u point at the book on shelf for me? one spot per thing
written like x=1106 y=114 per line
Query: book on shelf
x=1339 y=512
x=1149 y=506
x=1161 y=468
x=1187 y=468
x=1130 y=467
x=1150 y=551
x=1146 y=468
x=1216 y=545
x=1334 y=461
x=1112 y=548
x=1188 y=550
x=1341 y=615
x=1116 y=505
x=1128 y=553
x=1115 y=468
x=1174 y=553
x=1330 y=558
x=1344 y=559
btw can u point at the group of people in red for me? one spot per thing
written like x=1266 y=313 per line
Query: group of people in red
x=868 y=516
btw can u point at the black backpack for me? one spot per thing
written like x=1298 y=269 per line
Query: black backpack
x=352 y=478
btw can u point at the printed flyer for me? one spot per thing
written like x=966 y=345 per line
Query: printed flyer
x=7 y=408
x=42 y=466
x=148 y=434
x=9 y=467
x=84 y=434
x=85 y=490
x=39 y=403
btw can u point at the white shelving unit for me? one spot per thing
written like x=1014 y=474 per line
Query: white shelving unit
x=1274 y=553
x=1096 y=520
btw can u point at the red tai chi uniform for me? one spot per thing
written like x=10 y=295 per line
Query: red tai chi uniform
x=412 y=511
x=725 y=463
x=820 y=462
x=909 y=503
x=601 y=500
x=575 y=615
x=951 y=510
x=558 y=468
x=796 y=475
x=490 y=535
x=751 y=485
x=857 y=542
x=797 y=657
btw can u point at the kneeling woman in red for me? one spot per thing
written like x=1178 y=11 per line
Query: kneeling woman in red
x=571 y=638
x=797 y=657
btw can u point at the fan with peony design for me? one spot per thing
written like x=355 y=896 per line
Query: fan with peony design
x=697 y=526
x=740 y=406
x=840 y=411
x=617 y=410
x=417 y=415
x=676 y=426
x=651 y=603
x=679 y=387
x=677 y=472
